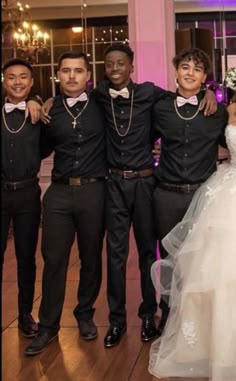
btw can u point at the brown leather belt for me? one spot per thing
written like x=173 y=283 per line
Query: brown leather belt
x=179 y=188
x=132 y=174
x=13 y=186
x=77 y=181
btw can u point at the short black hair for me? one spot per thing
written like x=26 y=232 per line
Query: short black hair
x=15 y=62
x=73 y=54
x=197 y=55
x=121 y=48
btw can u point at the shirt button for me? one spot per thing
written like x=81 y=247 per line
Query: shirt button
x=185 y=154
x=186 y=140
x=121 y=126
x=80 y=136
x=122 y=153
x=122 y=141
x=187 y=124
x=77 y=162
x=122 y=112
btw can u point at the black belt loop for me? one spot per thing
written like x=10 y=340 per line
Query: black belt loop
x=15 y=185
x=179 y=188
x=76 y=181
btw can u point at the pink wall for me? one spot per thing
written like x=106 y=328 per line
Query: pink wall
x=151 y=35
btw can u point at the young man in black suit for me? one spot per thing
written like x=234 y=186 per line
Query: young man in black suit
x=22 y=151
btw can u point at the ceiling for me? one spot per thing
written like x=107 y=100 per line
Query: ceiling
x=62 y=9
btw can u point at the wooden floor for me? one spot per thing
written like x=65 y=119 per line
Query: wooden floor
x=71 y=358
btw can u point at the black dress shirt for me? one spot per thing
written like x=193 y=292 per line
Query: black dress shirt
x=189 y=148
x=133 y=151
x=22 y=151
x=78 y=151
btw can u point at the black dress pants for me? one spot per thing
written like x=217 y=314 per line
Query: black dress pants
x=23 y=208
x=129 y=201
x=169 y=208
x=70 y=210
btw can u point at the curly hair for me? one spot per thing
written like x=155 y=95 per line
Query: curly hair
x=197 y=55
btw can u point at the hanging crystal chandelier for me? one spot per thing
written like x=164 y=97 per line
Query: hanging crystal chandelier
x=27 y=39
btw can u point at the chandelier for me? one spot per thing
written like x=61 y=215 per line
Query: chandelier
x=26 y=38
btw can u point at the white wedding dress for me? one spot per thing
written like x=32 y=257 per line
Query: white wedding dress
x=199 y=278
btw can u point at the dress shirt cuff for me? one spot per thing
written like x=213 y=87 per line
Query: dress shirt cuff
x=36 y=98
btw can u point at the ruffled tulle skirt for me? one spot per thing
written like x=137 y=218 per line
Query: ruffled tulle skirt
x=199 y=280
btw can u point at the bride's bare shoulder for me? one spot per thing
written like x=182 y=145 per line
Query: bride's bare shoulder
x=232 y=114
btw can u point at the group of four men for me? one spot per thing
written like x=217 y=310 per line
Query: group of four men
x=103 y=178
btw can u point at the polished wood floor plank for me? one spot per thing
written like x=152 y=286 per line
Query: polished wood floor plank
x=140 y=371
x=69 y=358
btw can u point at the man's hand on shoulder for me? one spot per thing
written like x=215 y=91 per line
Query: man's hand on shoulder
x=33 y=108
x=209 y=104
x=45 y=117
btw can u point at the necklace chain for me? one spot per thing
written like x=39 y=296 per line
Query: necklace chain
x=184 y=118
x=70 y=113
x=130 y=116
x=6 y=125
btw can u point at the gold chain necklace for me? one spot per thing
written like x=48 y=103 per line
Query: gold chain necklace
x=70 y=113
x=6 y=125
x=130 y=115
x=184 y=118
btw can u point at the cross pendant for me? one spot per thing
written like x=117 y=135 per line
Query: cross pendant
x=74 y=123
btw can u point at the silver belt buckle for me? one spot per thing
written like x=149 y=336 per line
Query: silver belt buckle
x=126 y=174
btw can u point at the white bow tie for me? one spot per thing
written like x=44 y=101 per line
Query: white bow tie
x=9 y=107
x=182 y=101
x=123 y=93
x=72 y=101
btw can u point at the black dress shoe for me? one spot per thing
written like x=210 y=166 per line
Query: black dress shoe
x=88 y=330
x=27 y=325
x=39 y=343
x=113 y=335
x=149 y=330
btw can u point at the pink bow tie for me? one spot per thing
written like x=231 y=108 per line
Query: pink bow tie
x=123 y=93
x=72 y=101
x=9 y=107
x=182 y=101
